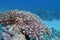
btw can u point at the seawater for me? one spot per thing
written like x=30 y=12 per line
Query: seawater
x=52 y=24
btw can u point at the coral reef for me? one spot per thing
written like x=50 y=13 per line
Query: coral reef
x=31 y=24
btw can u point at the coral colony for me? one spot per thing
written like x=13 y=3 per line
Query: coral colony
x=29 y=24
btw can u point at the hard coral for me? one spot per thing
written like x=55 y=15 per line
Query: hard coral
x=30 y=22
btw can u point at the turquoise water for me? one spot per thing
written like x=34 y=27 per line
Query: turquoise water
x=52 y=24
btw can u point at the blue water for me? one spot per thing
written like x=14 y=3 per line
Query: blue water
x=34 y=6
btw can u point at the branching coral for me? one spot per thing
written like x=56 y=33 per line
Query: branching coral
x=31 y=23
